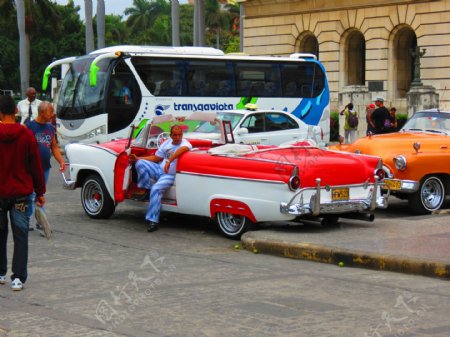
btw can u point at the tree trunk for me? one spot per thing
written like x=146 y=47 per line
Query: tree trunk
x=89 y=30
x=199 y=23
x=175 y=23
x=24 y=52
x=100 y=24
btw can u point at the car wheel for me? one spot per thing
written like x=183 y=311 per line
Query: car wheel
x=429 y=197
x=232 y=226
x=95 y=198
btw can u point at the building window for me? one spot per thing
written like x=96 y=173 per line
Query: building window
x=356 y=59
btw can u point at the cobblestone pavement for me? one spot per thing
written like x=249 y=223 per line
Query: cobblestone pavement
x=112 y=278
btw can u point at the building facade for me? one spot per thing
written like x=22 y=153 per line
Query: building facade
x=377 y=47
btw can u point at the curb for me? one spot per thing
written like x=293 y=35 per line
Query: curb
x=346 y=257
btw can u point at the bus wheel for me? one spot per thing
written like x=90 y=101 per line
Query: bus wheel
x=429 y=197
x=95 y=198
x=232 y=226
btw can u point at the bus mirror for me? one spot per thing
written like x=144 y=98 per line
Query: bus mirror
x=93 y=74
x=45 y=78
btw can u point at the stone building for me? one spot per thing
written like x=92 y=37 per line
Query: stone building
x=368 y=47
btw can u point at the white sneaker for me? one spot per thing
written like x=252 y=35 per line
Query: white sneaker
x=16 y=285
x=2 y=279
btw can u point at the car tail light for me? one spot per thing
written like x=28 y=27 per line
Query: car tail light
x=380 y=173
x=294 y=180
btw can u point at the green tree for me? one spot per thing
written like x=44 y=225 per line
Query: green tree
x=141 y=16
x=115 y=30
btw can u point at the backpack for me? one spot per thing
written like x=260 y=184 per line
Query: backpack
x=352 y=119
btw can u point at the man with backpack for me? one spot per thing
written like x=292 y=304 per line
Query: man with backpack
x=351 y=122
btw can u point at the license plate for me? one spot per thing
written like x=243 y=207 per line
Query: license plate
x=393 y=185
x=338 y=194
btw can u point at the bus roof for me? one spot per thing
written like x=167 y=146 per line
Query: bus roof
x=201 y=52
x=208 y=51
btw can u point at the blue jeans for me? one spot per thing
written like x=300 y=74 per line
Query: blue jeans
x=33 y=195
x=17 y=209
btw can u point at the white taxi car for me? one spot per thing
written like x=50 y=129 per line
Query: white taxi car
x=261 y=127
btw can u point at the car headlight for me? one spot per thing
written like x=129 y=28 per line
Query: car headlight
x=400 y=163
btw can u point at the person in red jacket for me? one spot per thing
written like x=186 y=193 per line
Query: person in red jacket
x=21 y=174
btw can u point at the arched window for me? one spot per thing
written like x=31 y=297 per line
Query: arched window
x=307 y=43
x=405 y=41
x=310 y=45
x=355 y=65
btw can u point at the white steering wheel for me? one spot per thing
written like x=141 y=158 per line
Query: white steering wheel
x=161 y=138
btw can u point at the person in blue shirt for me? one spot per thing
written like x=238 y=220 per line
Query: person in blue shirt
x=45 y=132
x=161 y=168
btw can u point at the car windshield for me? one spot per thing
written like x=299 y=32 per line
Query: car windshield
x=207 y=127
x=429 y=121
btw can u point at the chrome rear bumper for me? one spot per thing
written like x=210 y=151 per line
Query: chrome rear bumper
x=316 y=206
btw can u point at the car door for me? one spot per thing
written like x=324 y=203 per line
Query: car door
x=281 y=128
x=255 y=124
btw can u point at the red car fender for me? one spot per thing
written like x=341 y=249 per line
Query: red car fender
x=230 y=206
x=119 y=175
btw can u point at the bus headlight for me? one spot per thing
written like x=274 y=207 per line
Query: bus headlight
x=400 y=163
x=96 y=132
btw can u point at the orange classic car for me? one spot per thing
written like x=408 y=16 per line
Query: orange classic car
x=416 y=159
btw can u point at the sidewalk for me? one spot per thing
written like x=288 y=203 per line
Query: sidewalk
x=413 y=245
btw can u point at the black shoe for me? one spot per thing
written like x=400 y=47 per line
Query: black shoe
x=30 y=229
x=152 y=226
x=144 y=197
x=39 y=226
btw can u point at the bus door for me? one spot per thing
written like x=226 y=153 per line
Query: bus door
x=123 y=97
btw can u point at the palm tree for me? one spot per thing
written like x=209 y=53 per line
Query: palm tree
x=27 y=10
x=216 y=19
x=175 y=23
x=100 y=24
x=89 y=29
x=24 y=47
x=143 y=13
x=116 y=30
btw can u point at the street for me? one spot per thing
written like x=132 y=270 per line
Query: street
x=112 y=278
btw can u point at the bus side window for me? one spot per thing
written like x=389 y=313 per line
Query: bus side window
x=197 y=88
x=244 y=88
x=291 y=89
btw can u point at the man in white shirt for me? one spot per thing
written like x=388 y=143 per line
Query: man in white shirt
x=28 y=108
x=160 y=167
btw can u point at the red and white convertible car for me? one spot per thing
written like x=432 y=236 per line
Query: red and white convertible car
x=238 y=185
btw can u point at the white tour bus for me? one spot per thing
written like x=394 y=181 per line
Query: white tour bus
x=106 y=91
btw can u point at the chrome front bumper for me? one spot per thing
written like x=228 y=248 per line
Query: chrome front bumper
x=68 y=184
x=316 y=206
x=406 y=186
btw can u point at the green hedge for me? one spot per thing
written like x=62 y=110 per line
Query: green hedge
x=401 y=120
x=334 y=126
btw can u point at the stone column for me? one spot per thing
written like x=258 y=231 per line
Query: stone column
x=360 y=96
x=422 y=98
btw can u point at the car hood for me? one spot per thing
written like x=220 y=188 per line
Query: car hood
x=396 y=143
